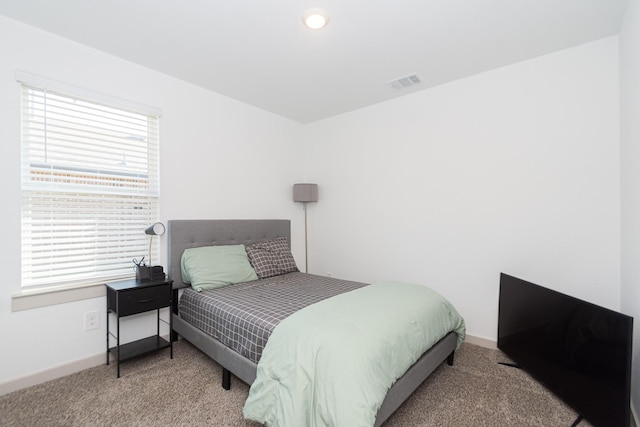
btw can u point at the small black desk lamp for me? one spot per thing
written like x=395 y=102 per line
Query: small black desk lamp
x=152 y=272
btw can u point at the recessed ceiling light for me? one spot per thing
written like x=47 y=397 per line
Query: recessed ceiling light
x=315 y=19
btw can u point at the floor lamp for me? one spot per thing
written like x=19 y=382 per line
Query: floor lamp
x=305 y=193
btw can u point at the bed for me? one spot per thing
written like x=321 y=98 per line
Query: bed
x=187 y=234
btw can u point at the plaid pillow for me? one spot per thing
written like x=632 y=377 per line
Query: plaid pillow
x=271 y=257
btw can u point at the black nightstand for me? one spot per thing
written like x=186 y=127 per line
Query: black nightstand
x=132 y=297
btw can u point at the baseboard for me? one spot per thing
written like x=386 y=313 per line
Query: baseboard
x=55 y=372
x=51 y=373
x=482 y=342
x=99 y=359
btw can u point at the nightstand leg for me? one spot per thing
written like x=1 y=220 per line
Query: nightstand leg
x=171 y=332
x=107 y=335
x=118 y=347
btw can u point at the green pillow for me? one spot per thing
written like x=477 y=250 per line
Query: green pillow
x=211 y=267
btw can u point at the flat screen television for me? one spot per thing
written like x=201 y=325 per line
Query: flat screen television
x=578 y=350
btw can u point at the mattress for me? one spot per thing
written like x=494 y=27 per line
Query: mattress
x=242 y=316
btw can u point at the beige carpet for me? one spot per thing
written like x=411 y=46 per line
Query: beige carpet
x=156 y=390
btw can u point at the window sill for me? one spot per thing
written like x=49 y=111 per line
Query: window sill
x=35 y=298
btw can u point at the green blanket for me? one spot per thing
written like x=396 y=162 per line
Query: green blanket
x=332 y=363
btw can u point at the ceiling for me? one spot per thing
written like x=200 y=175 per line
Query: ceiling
x=260 y=53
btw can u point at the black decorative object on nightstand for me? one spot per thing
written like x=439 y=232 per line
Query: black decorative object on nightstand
x=132 y=297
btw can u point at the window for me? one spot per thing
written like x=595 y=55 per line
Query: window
x=89 y=188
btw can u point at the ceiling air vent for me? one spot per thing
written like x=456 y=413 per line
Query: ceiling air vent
x=404 y=82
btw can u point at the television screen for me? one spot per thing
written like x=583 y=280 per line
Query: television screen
x=580 y=351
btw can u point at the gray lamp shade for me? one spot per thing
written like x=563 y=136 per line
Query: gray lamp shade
x=156 y=229
x=305 y=192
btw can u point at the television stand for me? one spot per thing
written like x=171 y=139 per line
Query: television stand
x=577 y=421
x=511 y=365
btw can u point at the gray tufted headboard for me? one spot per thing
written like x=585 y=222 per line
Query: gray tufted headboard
x=193 y=233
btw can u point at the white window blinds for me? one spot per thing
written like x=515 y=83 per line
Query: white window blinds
x=89 y=188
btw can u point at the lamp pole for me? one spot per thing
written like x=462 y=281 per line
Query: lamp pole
x=306 y=258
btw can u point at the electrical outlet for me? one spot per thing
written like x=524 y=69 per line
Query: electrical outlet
x=91 y=320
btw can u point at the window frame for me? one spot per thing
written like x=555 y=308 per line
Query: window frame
x=63 y=291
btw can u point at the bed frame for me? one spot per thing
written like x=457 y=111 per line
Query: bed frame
x=184 y=234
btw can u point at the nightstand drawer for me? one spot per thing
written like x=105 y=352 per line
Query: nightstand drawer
x=144 y=299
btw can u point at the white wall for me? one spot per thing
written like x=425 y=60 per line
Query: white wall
x=514 y=170
x=219 y=159
x=630 y=157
